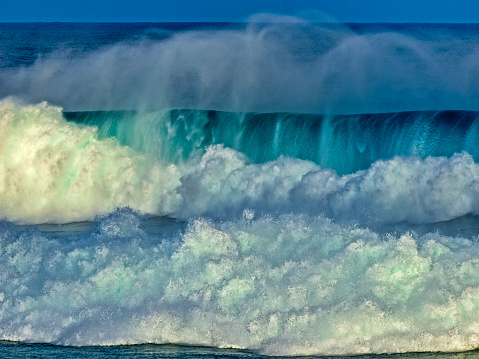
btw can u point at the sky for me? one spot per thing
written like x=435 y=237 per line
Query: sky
x=239 y=10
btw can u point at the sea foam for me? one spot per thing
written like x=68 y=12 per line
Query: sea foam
x=53 y=171
x=293 y=284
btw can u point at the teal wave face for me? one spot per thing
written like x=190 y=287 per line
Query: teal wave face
x=345 y=144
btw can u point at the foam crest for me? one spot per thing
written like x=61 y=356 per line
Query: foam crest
x=53 y=171
x=291 y=285
x=391 y=191
x=401 y=189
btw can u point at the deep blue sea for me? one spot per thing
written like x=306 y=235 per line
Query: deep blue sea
x=239 y=190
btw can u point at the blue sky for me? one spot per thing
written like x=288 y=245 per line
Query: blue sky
x=238 y=10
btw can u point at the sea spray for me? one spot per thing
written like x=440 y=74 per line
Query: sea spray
x=263 y=67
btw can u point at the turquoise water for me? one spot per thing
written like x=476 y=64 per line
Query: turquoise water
x=345 y=144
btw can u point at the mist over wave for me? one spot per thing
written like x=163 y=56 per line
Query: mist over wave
x=296 y=66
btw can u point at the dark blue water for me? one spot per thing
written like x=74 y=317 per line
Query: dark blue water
x=23 y=43
x=21 y=350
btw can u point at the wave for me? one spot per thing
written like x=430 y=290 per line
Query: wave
x=56 y=171
x=290 y=285
x=344 y=143
x=221 y=195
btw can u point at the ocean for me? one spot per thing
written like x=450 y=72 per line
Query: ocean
x=239 y=190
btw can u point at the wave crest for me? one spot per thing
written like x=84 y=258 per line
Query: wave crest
x=55 y=171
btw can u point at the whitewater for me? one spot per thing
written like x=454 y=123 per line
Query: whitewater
x=278 y=186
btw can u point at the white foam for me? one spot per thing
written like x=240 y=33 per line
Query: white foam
x=391 y=191
x=51 y=170
x=291 y=285
x=395 y=190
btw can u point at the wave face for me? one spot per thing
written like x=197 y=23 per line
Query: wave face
x=290 y=189
x=56 y=171
x=345 y=144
